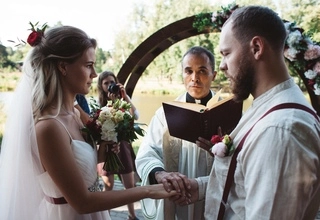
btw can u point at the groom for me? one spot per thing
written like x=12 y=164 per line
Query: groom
x=276 y=175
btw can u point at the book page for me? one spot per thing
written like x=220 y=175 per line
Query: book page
x=212 y=103
x=191 y=106
x=214 y=99
x=220 y=102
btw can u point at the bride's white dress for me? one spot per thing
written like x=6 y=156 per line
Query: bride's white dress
x=86 y=158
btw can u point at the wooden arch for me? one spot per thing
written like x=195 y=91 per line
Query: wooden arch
x=154 y=45
x=147 y=51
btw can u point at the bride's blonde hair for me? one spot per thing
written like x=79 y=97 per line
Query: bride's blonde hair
x=58 y=44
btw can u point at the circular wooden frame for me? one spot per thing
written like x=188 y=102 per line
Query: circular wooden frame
x=147 y=51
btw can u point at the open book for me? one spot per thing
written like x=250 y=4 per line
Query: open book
x=189 y=121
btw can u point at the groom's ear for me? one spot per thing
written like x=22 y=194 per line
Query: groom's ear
x=257 y=45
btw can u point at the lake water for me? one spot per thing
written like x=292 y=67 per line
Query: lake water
x=146 y=104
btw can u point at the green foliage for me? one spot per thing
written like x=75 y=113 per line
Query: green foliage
x=215 y=20
x=202 y=21
x=101 y=59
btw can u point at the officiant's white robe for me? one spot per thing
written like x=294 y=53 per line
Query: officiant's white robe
x=278 y=170
x=159 y=149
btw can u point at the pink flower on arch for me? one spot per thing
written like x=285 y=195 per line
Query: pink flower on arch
x=313 y=52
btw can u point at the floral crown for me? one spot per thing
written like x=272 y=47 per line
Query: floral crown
x=301 y=53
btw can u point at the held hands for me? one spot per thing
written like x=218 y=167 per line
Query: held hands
x=157 y=191
x=177 y=182
x=193 y=195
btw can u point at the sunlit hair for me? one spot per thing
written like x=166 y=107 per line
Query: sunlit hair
x=58 y=44
x=251 y=21
x=103 y=98
x=197 y=50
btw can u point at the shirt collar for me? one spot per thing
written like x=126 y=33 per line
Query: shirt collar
x=202 y=101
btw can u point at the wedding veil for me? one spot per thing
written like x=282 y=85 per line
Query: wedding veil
x=20 y=192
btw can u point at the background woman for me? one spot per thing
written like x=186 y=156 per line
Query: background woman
x=126 y=154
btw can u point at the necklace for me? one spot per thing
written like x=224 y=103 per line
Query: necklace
x=74 y=116
x=69 y=113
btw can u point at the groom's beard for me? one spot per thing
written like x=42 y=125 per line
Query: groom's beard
x=243 y=82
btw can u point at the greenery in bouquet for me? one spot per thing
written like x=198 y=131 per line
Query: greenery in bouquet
x=112 y=123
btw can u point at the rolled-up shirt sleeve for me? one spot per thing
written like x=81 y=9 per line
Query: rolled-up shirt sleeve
x=202 y=184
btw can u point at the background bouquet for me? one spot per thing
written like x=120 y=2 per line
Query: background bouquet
x=112 y=123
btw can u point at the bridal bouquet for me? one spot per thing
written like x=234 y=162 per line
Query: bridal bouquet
x=112 y=123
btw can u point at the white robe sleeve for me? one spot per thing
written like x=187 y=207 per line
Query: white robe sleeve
x=150 y=153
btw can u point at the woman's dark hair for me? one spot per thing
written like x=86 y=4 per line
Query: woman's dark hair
x=103 y=98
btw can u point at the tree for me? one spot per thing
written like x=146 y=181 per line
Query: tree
x=146 y=20
x=101 y=59
x=5 y=62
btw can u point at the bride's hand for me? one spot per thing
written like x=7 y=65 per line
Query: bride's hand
x=115 y=147
x=106 y=146
x=157 y=191
x=110 y=146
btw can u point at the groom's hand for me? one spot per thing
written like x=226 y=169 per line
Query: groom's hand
x=173 y=181
x=192 y=195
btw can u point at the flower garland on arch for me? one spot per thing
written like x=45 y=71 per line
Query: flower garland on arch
x=301 y=53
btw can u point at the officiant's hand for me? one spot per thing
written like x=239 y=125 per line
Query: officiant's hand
x=205 y=145
x=174 y=181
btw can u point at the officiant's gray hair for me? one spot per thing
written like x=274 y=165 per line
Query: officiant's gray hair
x=197 y=50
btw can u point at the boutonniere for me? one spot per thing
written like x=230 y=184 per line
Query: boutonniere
x=222 y=145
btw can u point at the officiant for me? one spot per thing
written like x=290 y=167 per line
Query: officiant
x=171 y=161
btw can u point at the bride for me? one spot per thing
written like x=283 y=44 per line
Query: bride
x=47 y=170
